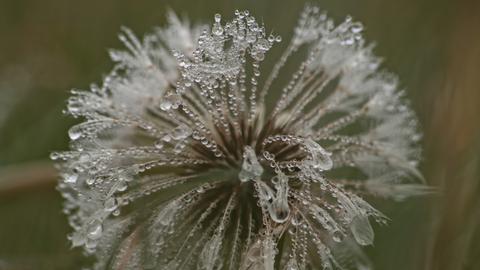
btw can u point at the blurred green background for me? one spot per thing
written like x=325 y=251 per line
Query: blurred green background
x=48 y=47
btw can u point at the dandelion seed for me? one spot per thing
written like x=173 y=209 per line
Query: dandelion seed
x=181 y=164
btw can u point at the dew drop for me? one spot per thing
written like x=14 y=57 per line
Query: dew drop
x=337 y=236
x=217 y=29
x=54 y=156
x=77 y=239
x=292 y=264
x=90 y=181
x=74 y=107
x=251 y=168
x=362 y=230
x=84 y=157
x=297 y=219
x=110 y=204
x=181 y=132
x=356 y=27
x=168 y=213
x=159 y=144
x=121 y=185
x=348 y=40
x=320 y=157
x=278 y=209
x=91 y=244
x=71 y=178
x=263 y=44
x=94 y=230
x=165 y=105
x=166 y=138
x=74 y=133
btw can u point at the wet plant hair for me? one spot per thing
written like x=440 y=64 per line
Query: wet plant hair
x=187 y=159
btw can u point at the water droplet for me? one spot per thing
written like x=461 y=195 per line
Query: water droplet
x=178 y=148
x=251 y=38
x=54 y=156
x=110 y=204
x=166 y=105
x=121 y=185
x=71 y=178
x=77 y=239
x=292 y=264
x=251 y=168
x=348 y=40
x=181 y=132
x=263 y=44
x=94 y=230
x=166 y=138
x=84 y=157
x=357 y=27
x=74 y=133
x=90 y=181
x=362 y=230
x=297 y=219
x=168 y=213
x=217 y=29
x=159 y=144
x=278 y=208
x=320 y=157
x=337 y=236
x=258 y=55
x=91 y=244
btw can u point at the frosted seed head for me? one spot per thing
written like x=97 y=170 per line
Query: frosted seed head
x=182 y=118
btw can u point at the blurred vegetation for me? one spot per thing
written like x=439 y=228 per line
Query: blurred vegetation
x=48 y=47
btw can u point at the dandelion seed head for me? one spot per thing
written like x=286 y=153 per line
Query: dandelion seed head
x=180 y=163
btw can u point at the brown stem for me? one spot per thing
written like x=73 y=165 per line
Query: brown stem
x=25 y=177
